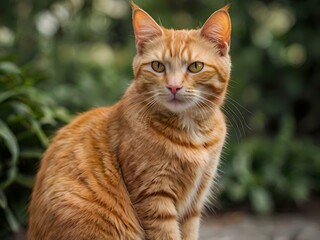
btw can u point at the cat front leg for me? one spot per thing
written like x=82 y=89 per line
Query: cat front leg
x=190 y=225
x=190 y=221
x=158 y=217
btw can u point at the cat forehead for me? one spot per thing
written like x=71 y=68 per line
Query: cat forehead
x=179 y=36
x=185 y=45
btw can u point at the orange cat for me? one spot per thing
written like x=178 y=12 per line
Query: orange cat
x=142 y=168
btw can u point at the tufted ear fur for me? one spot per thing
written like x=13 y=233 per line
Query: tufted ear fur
x=145 y=28
x=217 y=29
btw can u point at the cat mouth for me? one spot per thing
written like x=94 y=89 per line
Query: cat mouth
x=176 y=101
x=176 y=104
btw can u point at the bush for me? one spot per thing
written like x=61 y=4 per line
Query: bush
x=271 y=172
x=27 y=117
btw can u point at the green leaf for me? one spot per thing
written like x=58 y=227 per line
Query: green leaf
x=12 y=220
x=9 y=68
x=31 y=153
x=36 y=127
x=25 y=110
x=261 y=200
x=12 y=93
x=300 y=190
x=22 y=108
x=237 y=191
x=12 y=145
x=3 y=199
x=26 y=181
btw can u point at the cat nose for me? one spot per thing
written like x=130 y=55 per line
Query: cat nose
x=174 y=89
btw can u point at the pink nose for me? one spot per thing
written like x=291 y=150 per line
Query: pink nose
x=174 y=89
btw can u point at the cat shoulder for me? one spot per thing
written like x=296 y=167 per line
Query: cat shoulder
x=86 y=121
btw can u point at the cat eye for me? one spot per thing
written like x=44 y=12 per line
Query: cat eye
x=158 y=66
x=195 y=67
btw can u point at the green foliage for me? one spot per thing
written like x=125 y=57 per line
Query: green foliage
x=272 y=171
x=27 y=116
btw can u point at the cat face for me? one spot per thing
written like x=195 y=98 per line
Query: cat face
x=182 y=70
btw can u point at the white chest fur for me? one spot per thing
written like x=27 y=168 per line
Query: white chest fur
x=186 y=205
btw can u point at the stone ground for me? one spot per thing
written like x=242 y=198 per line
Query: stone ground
x=240 y=226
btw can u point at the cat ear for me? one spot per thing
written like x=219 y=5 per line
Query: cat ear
x=217 y=29
x=145 y=28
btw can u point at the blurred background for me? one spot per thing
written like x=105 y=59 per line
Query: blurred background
x=62 y=57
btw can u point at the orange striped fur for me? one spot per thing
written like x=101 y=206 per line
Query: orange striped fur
x=142 y=168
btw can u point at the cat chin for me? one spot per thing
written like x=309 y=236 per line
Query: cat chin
x=176 y=106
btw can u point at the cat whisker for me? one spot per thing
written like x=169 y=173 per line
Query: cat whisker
x=229 y=98
x=202 y=111
x=146 y=109
x=233 y=123
x=241 y=115
x=233 y=115
x=203 y=103
x=134 y=101
x=206 y=103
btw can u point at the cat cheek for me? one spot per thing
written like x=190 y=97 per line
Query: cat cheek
x=211 y=85
x=219 y=87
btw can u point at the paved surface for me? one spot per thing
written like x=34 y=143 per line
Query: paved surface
x=239 y=226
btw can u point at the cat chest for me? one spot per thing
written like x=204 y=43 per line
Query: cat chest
x=191 y=195
x=177 y=170
x=190 y=181
x=196 y=183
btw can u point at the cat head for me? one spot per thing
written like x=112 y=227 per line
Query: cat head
x=182 y=70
